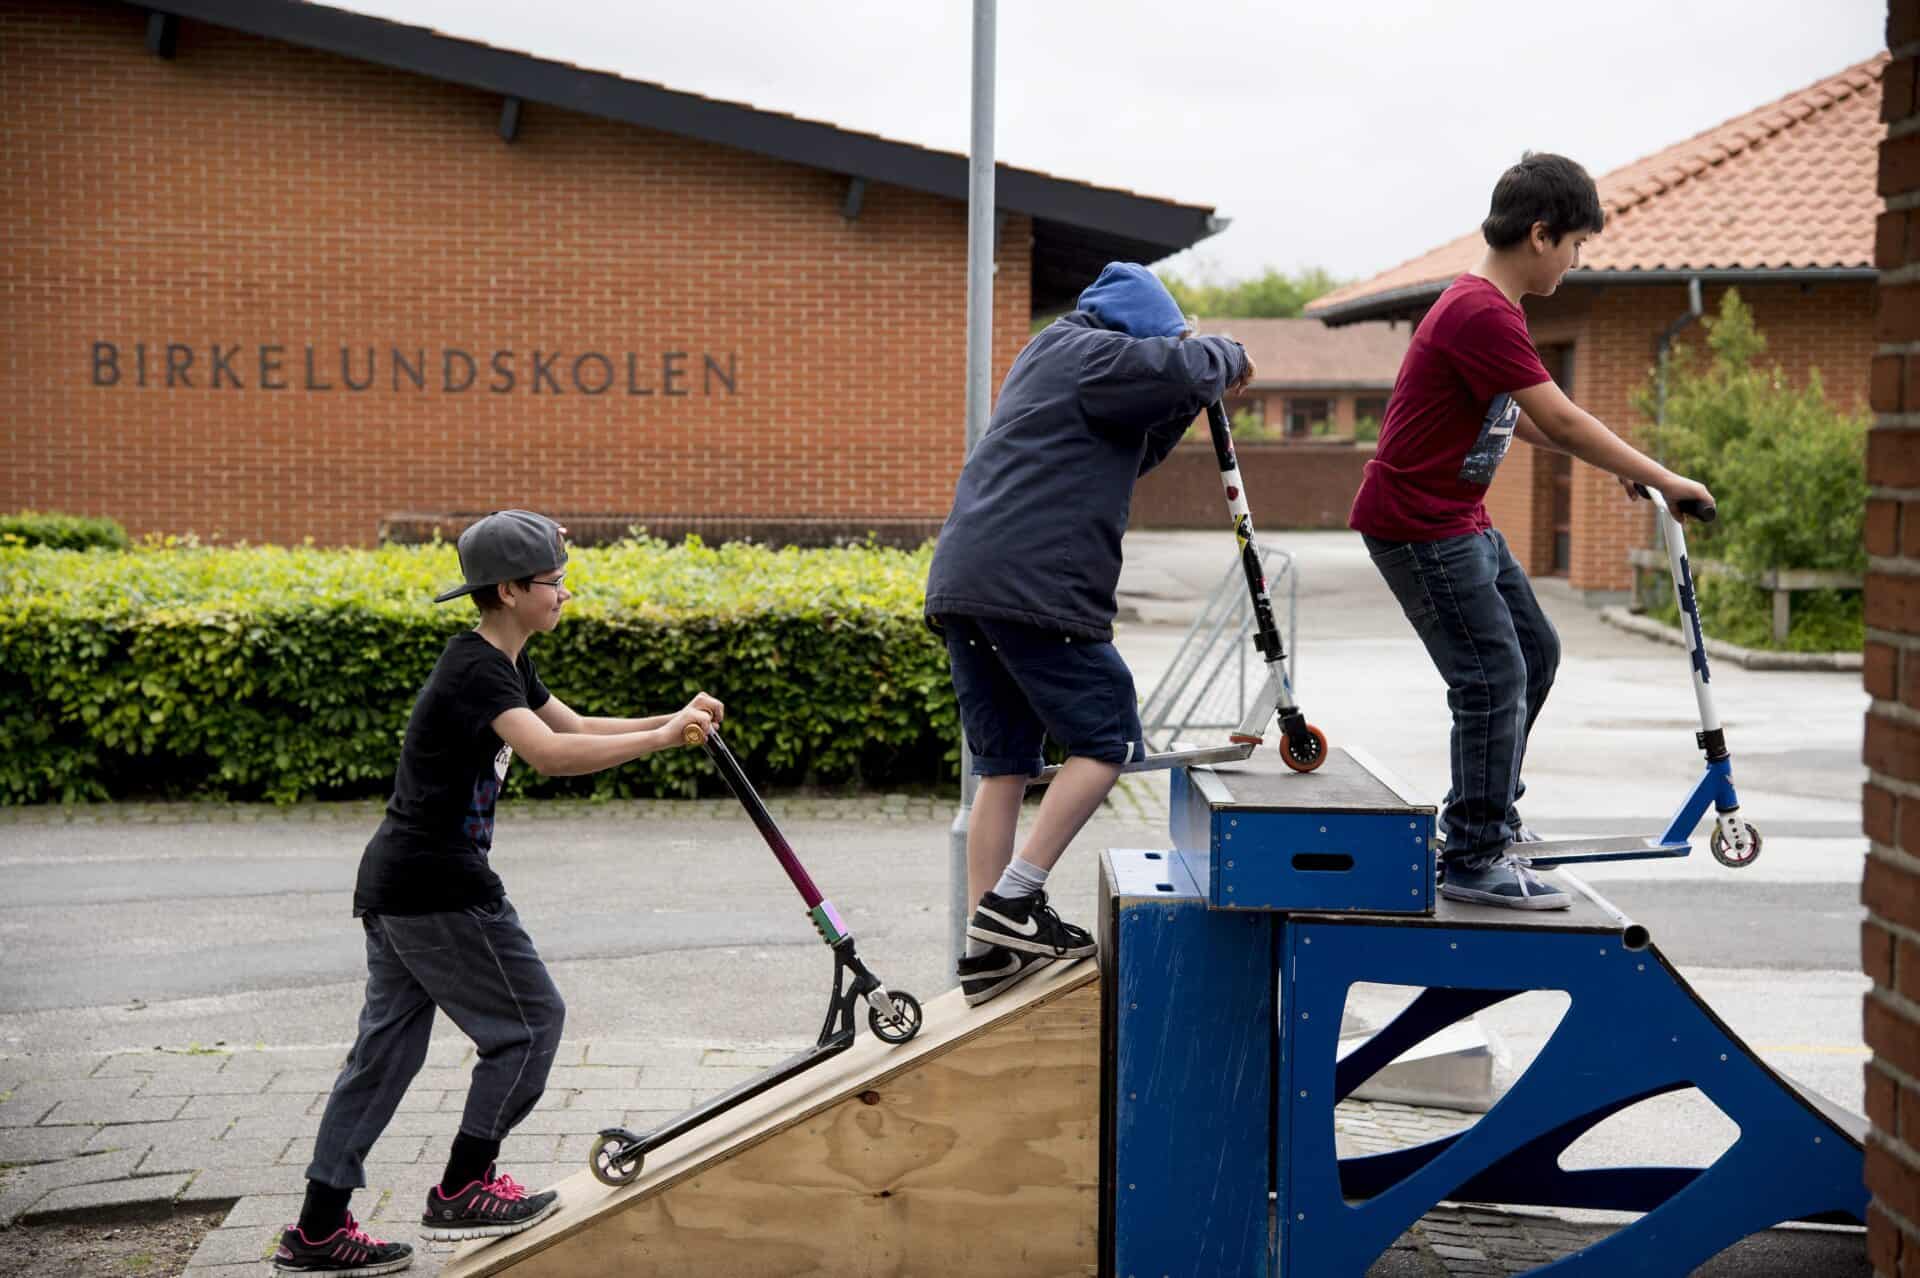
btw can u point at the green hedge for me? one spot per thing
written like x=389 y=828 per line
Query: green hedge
x=280 y=673
x=62 y=532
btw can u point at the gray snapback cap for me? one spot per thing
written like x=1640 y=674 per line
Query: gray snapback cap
x=506 y=546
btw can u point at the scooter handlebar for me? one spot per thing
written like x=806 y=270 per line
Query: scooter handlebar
x=693 y=734
x=1691 y=508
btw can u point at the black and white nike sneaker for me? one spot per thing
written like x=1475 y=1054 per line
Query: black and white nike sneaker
x=983 y=976
x=1028 y=924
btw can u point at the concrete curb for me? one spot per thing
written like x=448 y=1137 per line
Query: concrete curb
x=1751 y=658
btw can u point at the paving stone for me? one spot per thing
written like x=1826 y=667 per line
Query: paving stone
x=27 y=1185
x=557 y=1122
x=551 y=1099
x=265 y=1211
x=1448 y=1251
x=87 y=1089
x=673 y=1099
x=519 y=1147
x=211 y=1084
x=288 y=1105
x=24 y=1113
x=393 y=1148
x=141 y=1064
x=750 y=1057
x=630 y=1052
x=41 y=1144
x=593 y=1077
x=204 y=1155
x=452 y=1077
x=223 y=1184
x=235 y=1246
x=130 y=1135
x=25 y=1065
x=110 y=1193
x=424 y=1101
x=644 y=1120
x=576 y=1148
x=447 y=1052
x=704 y=1080
x=275 y=1060
x=319 y=1081
x=157 y=1109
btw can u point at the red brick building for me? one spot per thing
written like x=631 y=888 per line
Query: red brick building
x=1312 y=380
x=274 y=270
x=1778 y=202
x=1890 y=937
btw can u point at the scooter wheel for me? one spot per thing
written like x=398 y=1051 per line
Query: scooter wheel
x=1728 y=856
x=905 y=1023
x=1306 y=753
x=611 y=1163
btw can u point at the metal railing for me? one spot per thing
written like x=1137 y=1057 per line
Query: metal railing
x=1217 y=670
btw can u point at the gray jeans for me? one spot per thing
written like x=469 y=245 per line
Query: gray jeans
x=480 y=966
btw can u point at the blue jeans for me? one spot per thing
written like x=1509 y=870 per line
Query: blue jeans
x=477 y=964
x=1474 y=609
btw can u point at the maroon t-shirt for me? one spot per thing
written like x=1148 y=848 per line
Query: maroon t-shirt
x=1451 y=418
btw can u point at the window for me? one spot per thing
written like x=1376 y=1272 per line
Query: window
x=1308 y=417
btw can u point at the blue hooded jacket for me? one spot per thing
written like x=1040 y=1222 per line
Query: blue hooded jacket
x=1096 y=400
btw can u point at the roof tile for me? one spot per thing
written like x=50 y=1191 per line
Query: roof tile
x=1788 y=184
x=1305 y=352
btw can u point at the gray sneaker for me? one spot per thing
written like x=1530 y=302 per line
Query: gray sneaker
x=1503 y=880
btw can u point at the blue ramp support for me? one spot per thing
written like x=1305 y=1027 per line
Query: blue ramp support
x=1633 y=1030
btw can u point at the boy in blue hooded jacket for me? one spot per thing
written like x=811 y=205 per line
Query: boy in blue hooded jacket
x=1022 y=588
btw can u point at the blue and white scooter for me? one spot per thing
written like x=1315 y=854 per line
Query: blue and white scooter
x=1734 y=842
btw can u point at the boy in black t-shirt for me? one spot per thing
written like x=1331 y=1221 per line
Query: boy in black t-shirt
x=440 y=931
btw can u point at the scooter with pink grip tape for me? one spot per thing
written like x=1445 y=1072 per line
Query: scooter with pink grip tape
x=893 y=1016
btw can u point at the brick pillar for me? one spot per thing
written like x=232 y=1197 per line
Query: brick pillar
x=1890 y=937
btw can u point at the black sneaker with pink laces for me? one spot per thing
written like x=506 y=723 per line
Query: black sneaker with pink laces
x=491 y=1207
x=346 y=1252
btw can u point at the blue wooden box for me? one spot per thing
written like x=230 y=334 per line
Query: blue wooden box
x=1256 y=836
x=1189 y=1037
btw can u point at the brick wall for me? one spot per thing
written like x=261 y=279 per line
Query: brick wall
x=1890 y=937
x=1826 y=326
x=1289 y=485
x=249 y=194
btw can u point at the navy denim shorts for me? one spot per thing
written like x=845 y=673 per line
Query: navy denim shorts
x=1019 y=683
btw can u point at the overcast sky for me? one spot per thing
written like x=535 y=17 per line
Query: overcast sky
x=1350 y=134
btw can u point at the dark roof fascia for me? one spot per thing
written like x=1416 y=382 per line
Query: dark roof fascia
x=1398 y=303
x=1161 y=223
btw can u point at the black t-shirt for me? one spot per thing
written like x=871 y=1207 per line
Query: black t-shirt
x=430 y=853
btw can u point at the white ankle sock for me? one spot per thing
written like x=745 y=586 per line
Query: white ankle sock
x=1020 y=878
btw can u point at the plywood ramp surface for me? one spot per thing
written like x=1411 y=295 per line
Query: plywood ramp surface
x=974 y=1149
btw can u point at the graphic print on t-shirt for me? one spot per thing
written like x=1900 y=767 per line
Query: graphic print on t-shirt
x=486 y=789
x=1496 y=436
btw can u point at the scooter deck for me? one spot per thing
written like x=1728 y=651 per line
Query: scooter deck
x=1635 y=847
x=1186 y=756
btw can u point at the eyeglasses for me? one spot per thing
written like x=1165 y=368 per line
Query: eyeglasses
x=556 y=583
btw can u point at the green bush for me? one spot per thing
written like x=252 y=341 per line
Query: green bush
x=286 y=673
x=1788 y=471
x=62 y=532
x=1739 y=613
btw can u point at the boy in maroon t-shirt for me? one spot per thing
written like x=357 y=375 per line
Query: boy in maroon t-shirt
x=1470 y=382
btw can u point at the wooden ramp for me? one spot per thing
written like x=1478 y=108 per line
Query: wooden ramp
x=975 y=1148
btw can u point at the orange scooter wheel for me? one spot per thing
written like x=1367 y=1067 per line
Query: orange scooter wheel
x=1304 y=754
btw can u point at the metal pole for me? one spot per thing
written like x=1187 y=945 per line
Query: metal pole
x=980 y=266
